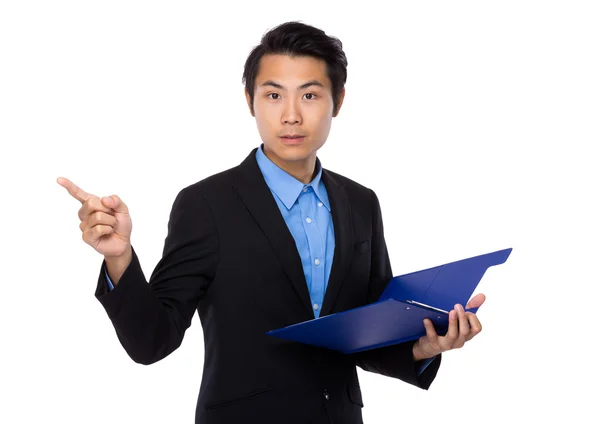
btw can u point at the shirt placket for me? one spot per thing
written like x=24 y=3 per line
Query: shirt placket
x=315 y=248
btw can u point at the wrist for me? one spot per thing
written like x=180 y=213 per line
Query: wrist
x=418 y=354
x=116 y=265
x=124 y=257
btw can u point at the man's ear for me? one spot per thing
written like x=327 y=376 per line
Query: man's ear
x=249 y=101
x=340 y=101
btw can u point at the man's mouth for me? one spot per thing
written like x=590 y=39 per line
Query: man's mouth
x=292 y=139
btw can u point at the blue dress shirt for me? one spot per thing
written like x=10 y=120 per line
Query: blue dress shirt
x=307 y=213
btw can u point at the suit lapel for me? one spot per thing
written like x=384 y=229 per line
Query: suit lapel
x=257 y=197
x=344 y=238
x=259 y=200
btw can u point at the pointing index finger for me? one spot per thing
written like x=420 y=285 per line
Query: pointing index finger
x=73 y=189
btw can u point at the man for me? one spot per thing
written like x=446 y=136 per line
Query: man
x=272 y=242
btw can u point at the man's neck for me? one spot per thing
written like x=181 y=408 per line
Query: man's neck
x=303 y=170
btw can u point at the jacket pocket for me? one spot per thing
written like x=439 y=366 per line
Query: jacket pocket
x=355 y=395
x=224 y=403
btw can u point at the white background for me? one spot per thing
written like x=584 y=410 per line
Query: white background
x=475 y=122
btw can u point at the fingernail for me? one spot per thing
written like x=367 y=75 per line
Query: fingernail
x=107 y=199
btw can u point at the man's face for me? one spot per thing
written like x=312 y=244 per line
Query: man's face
x=292 y=96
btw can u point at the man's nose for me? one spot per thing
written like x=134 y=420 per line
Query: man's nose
x=291 y=113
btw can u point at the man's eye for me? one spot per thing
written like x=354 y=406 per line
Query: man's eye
x=310 y=94
x=272 y=94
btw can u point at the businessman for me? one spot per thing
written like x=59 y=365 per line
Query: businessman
x=274 y=241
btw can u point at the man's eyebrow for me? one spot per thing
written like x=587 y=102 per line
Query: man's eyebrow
x=303 y=86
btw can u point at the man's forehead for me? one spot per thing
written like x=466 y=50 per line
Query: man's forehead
x=291 y=72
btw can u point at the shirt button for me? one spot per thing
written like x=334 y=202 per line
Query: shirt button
x=308 y=220
x=315 y=306
x=317 y=262
x=326 y=394
x=320 y=204
x=305 y=189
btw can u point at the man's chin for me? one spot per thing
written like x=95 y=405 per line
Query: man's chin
x=294 y=156
x=297 y=153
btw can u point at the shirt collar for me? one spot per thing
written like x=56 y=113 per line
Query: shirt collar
x=285 y=186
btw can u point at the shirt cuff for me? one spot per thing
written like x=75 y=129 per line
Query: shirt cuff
x=422 y=365
x=110 y=284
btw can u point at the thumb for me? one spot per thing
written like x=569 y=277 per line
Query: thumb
x=114 y=202
x=476 y=302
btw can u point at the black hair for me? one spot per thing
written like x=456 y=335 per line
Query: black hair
x=298 y=39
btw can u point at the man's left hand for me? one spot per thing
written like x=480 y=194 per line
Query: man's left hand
x=462 y=327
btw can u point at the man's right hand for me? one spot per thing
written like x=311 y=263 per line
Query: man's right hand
x=105 y=223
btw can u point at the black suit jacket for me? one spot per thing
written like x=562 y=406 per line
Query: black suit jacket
x=229 y=255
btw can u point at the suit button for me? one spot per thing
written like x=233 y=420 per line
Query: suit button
x=326 y=394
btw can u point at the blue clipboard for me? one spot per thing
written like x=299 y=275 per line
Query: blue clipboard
x=398 y=314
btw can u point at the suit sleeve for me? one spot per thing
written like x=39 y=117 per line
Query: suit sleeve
x=150 y=317
x=394 y=361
